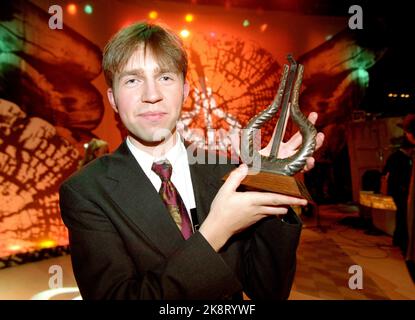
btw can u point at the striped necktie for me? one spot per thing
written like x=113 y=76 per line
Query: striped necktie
x=172 y=199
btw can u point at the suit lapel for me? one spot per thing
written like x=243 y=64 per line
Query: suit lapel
x=135 y=195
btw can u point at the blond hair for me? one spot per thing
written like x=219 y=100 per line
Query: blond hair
x=163 y=43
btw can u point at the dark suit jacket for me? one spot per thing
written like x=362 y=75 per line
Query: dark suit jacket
x=125 y=245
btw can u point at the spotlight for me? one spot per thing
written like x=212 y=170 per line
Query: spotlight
x=264 y=27
x=153 y=15
x=88 y=9
x=188 y=17
x=185 y=33
x=72 y=8
x=15 y=247
x=47 y=244
x=246 y=23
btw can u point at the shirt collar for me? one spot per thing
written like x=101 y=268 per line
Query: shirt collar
x=146 y=160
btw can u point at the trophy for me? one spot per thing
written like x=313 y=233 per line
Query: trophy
x=269 y=173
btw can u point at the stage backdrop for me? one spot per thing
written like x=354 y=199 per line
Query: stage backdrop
x=53 y=93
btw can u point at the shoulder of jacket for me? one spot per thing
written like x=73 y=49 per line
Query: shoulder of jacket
x=90 y=172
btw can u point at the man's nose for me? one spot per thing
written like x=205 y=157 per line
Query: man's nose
x=151 y=92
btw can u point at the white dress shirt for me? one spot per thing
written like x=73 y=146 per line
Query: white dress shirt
x=177 y=156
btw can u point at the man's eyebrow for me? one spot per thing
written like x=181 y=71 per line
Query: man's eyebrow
x=140 y=72
x=132 y=72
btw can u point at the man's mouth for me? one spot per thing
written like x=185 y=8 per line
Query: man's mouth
x=153 y=115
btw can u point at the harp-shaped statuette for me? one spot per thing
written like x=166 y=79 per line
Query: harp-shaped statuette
x=269 y=173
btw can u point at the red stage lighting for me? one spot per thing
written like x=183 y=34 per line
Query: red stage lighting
x=189 y=17
x=185 y=33
x=71 y=8
x=153 y=15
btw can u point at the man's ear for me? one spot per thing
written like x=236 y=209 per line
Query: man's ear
x=186 y=90
x=111 y=99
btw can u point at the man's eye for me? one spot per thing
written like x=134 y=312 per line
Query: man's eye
x=131 y=81
x=166 y=78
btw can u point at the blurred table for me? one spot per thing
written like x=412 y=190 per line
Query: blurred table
x=380 y=208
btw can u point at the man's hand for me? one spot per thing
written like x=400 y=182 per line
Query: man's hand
x=288 y=148
x=232 y=211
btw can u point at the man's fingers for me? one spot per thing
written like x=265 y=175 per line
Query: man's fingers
x=309 y=164
x=235 y=178
x=295 y=141
x=312 y=117
x=311 y=161
x=265 y=210
x=319 y=140
x=274 y=199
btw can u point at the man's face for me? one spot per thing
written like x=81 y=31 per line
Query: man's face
x=148 y=99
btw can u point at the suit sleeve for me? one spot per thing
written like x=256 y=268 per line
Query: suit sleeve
x=104 y=269
x=269 y=259
x=268 y=249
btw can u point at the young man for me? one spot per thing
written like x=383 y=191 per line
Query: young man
x=129 y=214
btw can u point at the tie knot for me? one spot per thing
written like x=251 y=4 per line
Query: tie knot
x=163 y=169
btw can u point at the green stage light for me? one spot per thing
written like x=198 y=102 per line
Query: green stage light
x=88 y=9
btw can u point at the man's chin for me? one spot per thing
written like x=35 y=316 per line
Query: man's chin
x=155 y=139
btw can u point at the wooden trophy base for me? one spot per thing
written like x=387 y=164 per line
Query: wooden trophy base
x=267 y=181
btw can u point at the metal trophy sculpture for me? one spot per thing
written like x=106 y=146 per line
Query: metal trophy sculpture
x=269 y=173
